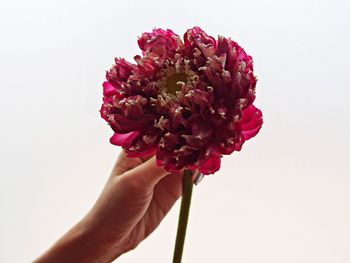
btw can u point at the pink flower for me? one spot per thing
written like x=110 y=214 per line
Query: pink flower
x=189 y=102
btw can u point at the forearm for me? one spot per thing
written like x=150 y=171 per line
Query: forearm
x=80 y=244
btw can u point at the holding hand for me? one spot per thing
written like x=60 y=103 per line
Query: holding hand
x=135 y=199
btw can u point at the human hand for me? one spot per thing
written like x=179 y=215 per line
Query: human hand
x=135 y=199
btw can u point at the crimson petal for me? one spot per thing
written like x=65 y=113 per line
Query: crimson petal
x=251 y=122
x=123 y=139
x=210 y=166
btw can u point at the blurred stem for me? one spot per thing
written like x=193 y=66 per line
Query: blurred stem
x=183 y=217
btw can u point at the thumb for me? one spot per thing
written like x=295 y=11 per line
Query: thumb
x=147 y=174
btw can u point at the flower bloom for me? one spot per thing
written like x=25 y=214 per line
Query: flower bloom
x=187 y=101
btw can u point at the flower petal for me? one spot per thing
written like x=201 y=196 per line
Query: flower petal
x=121 y=124
x=123 y=139
x=211 y=165
x=251 y=122
x=250 y=134
x=161 y=43
x=108 y=89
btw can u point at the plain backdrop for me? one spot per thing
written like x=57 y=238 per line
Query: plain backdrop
x=283 y=199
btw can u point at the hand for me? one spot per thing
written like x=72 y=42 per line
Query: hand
x=134 y=201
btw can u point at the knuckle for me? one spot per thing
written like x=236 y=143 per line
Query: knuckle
x=130 y=182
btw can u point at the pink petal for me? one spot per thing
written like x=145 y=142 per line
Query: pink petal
x=124 y=139
x=108 y=89
x=211 y=165
x=251 y=122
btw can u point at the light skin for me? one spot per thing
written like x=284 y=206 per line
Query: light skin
x=134 y=201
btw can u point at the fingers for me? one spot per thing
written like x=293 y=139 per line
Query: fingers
x=147 y=174
x=172 y=185
x=124 y=164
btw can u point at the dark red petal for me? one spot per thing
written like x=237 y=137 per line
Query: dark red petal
x=121 y=124
x=199 y=128
x=124 y=68
x=123 y=139
x=159 y=43
x=210 y=166
x=133 y=106
x=196 y=34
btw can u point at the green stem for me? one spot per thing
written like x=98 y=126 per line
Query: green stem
x=183 y=217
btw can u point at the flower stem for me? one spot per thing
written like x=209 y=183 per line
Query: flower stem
x=183 y=216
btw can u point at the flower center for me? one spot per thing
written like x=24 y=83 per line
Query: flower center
x=172 y=84
x=176 y=77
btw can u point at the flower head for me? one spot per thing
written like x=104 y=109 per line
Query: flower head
x=188 y=101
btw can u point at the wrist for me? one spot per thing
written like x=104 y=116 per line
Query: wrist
x=81 y=244
x=103 y=244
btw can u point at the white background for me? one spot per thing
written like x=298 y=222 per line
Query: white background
x=283 y=199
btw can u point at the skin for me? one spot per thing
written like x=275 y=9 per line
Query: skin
x=134 y=201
